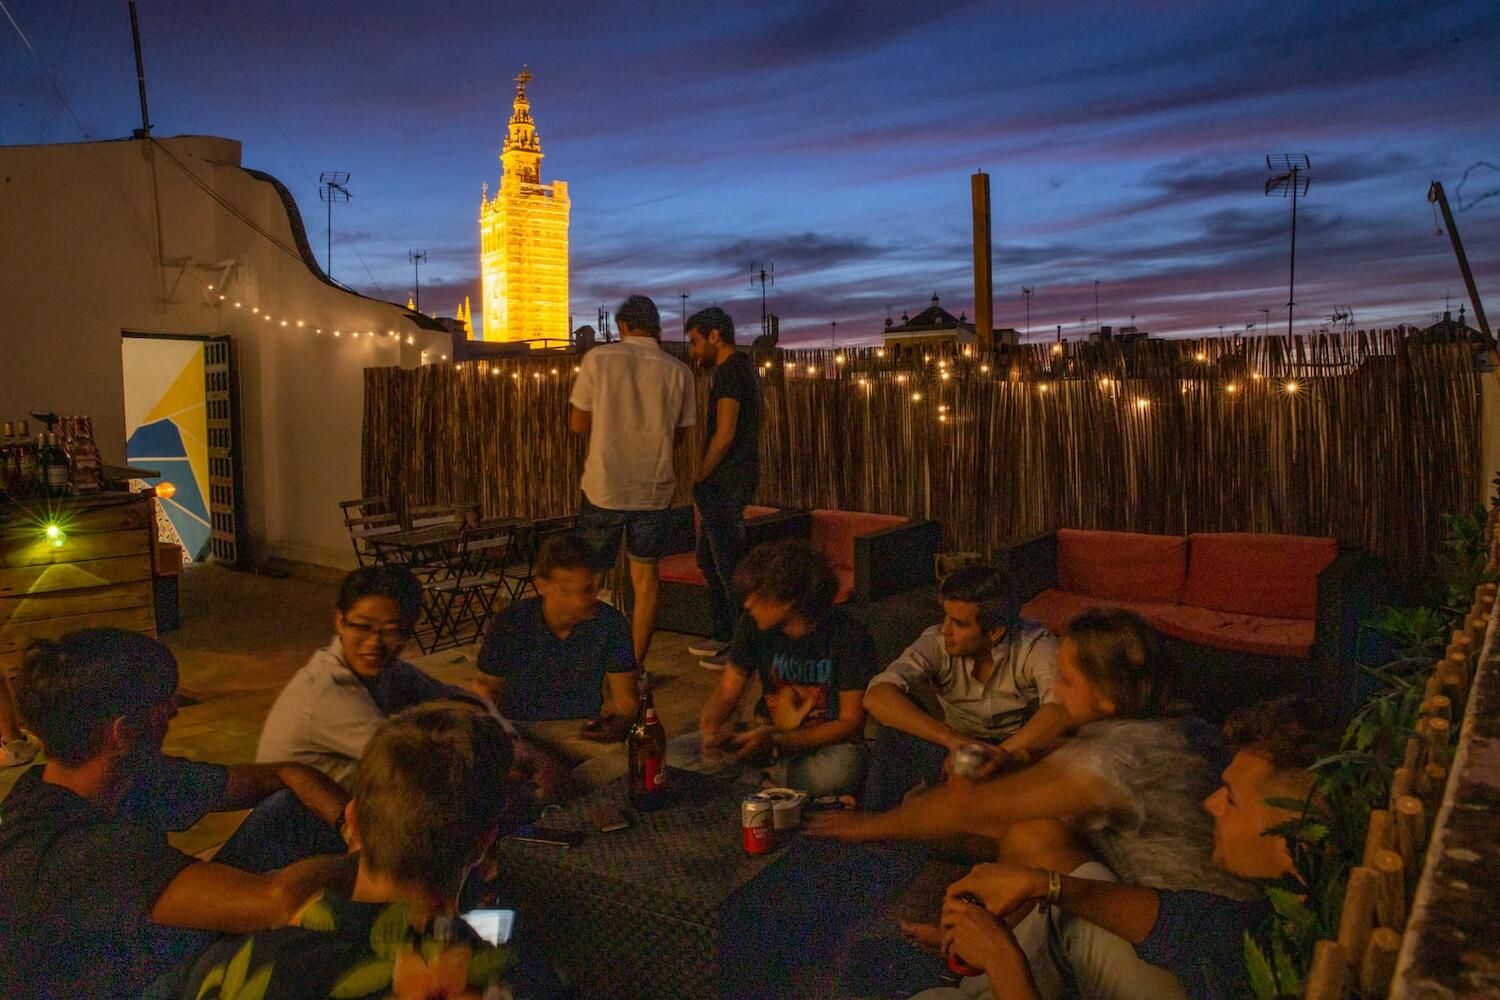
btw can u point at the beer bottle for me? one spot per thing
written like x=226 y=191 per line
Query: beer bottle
x=27 y=471
x=7 y=477
x=646 y=749
x=54 y=465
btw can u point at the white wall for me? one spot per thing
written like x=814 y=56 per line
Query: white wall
x=79 y=264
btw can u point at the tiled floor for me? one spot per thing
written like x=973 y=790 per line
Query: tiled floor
x=244 y=635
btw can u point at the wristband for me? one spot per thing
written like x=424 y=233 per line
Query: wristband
x=1054 y=888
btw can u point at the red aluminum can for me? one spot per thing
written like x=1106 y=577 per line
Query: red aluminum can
x=756 y=818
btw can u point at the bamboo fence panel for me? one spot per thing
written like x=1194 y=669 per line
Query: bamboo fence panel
x=1367 y=437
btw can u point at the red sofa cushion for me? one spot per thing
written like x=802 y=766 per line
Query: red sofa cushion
x=1274 y=576
x=834 y=531
x=1122 y=565
x=1263 y=636
x=681 y=567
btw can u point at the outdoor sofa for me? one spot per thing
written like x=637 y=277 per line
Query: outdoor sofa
x=1244 y=616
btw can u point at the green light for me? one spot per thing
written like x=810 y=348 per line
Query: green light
x=56 y=537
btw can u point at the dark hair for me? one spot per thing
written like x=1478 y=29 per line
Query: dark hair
x=1119 y=654
x=712 y=318
x=394 y=582
x=564 y=551
x=1290 y=732
x=793 y=571
x=640 y=313
x=72 y=689
x=431 y=785
x=990 y=588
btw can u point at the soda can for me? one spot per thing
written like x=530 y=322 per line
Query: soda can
x=757 y=814
x=968 y=759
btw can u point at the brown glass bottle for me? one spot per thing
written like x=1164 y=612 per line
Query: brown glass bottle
x=646 y=749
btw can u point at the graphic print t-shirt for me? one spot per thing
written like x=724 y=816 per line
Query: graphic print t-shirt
x=836 y=656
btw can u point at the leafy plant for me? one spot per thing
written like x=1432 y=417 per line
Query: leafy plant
x=1415 y=632
x=1461 y=564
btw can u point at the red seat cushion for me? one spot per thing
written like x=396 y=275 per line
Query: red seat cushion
x=834 y=531
x=1275 y=576
x=1122 y=565
x=1263 y=636
x=846 y=584
x=681 y=568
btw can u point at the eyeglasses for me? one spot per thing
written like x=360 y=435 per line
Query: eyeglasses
x=395 y=636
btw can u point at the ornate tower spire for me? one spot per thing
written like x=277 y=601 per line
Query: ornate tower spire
x=521 y=155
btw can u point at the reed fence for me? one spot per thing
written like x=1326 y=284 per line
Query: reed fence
x=1367 y=437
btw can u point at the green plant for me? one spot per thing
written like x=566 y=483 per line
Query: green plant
x=1415 y=632
x=1461 y=563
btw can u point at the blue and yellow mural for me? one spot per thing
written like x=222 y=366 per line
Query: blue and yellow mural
x=166 y=429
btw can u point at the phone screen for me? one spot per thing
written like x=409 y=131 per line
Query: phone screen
x=492 y=925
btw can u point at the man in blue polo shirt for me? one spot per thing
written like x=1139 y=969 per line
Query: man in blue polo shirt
x=547 y=659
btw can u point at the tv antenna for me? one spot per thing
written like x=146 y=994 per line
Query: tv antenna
x=764 y=274
x=1096 y=305
x=1289 y=178
x=416 y=257
x=1342 y=315
x=332 y=187
x=684 y=296
x=1028 y=291
x=834 y=333
x=604 y=331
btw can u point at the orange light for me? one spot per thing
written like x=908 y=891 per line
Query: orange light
x=166 y=491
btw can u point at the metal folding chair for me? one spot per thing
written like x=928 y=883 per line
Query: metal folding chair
x=519 y=574
x=456 y=603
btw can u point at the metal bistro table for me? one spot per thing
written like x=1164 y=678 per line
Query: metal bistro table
x=674 y=907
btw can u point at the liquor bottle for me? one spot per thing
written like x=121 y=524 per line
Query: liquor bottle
x=646 y=750
x=84 y=456
x=54 y=465
x=25 y=462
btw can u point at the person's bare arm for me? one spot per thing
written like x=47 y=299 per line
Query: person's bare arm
x=622 y=694
x=1043 y=791
x=579 y=421
x=1128 y=911
x=728 y=414
x=210 y=897
x=850 y=722
x=1049 y=722
x=894 y=708
x=248 y=785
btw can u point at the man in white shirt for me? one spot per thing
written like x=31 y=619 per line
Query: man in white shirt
x=635 y=401
x=984 y=676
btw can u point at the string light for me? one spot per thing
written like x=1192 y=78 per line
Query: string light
x=1141 y=403
x=1257 y=376
x=838 y=359
x=1231 y=388
x=916 y=397
x=283 y=322
x=984 y=369
x=1042 y=387
x=880 y=352
x=1057 y=348
x=901 y=378
x=255 y=309
x=1291 y=387
x=236 y=305
x=945 y=376
x=942 y=418
x=1104 y=383
x=300 y=324
x=968 y=352
x=1200 y=356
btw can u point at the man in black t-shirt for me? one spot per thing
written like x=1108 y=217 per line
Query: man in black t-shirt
x=813 y=661
x=93 y=900
x=728 y=472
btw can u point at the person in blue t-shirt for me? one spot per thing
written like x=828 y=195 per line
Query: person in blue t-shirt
x=1197 y=936
x=547 y=660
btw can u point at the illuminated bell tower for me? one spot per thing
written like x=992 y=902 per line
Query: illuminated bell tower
x=523 y=239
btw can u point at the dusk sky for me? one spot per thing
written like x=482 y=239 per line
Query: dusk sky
x=1126 y=144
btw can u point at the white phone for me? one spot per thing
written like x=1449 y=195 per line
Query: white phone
x=492 y=925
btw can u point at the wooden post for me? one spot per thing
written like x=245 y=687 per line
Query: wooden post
x=1379 y=836
x=1401 y=783
x=1390 y=894
x=1379 y=963
x=1325 y=980
x=1439 y=706
x=1437 y=731
x=1411 y=830
x=1411 y=760
x=1434 y=779
x=1358 y=915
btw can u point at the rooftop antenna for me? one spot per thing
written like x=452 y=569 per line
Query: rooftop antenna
x=416 y=257
x=765 y=274
x=332 y=187
x=1028 y=291
x=1096 y=305
x=834 y=328
x=1265 y=318
x=1289 y=178
x=144 y=132
x=684 y=296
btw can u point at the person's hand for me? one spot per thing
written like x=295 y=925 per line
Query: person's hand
x=607 y=729
x=926 y=935
x=842 y=824
x=996 y=759
x=976 y=937
x=1003 y=887
x=750 y=744
x=788 y=707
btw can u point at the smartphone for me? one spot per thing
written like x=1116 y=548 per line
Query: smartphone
x=558 y=836
x=492 y=925
x=612 y=819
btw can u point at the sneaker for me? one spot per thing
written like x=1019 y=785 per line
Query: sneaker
x=18 y=752
x=707 y=647
x=714 y=662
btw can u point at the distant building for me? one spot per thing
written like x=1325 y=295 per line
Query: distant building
x=523 y=240
x=1120 y=335
x=936 y=327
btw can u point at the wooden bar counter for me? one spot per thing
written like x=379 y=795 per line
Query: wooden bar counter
x=96 y=573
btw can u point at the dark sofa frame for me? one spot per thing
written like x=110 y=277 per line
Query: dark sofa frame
x=1217 y=681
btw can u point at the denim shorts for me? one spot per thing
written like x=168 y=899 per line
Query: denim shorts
x=645 y=532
